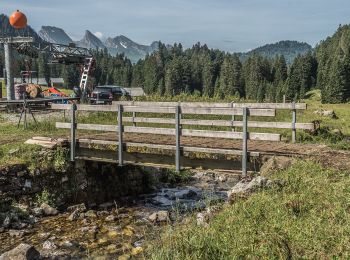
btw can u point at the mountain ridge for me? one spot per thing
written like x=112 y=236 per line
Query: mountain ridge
x=134 y=51
x=54 y=34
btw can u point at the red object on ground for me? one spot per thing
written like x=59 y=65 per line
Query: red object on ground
x=18 y=20
x=53 y=90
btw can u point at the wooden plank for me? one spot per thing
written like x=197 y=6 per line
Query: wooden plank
x=299 y=106
x=168 y=147
x=251 y=124
x=230 y=135
x=169 y=110
x=149 y=130
x=144 y=159
x=169 y=131
x=92 y=108
x=43 y=143
x=227 y=111
x=217 y=151
x=92 y=127
x=151 y=109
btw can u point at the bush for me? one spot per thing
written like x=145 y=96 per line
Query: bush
x=45 y=197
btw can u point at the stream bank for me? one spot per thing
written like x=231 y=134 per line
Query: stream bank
x=99 y=209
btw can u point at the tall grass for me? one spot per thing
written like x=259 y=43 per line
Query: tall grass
x=308 y=218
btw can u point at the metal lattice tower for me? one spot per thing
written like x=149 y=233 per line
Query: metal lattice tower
x=8 y=42
x=58 y=53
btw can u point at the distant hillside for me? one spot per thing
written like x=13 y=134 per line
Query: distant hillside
x=290 y=50
x=54 y=35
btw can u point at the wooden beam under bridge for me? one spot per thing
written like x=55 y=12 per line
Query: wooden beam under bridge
x=163 y=160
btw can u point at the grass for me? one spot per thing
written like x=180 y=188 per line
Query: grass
x=13 y=137
x=308 y=218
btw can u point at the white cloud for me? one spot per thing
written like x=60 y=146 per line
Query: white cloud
x=98 y=35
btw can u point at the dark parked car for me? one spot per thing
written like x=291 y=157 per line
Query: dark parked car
x=106 y=94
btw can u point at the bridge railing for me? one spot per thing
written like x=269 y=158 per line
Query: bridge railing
x=177 y=110
x=293 y=107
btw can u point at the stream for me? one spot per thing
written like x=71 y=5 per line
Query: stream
x=124 y=228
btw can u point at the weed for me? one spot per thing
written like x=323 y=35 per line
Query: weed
x=172 y=176
x=45 y=197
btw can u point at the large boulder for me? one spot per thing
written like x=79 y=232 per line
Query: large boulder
x=326 y=113
x=21 y=252
x=245 y=188
x=48 y=210
x=274 y=164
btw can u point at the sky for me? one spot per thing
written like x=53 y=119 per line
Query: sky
x=230 y=25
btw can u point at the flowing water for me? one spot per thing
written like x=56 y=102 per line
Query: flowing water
x=112 y=229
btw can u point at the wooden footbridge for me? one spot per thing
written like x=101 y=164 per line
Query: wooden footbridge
x=167 y=128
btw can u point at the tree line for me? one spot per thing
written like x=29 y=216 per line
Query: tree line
x=172 y=70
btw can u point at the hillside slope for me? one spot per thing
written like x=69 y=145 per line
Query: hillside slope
x=289 y=49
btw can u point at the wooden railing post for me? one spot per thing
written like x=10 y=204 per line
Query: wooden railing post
x=245 y=142
x=233 y=119
x=294 y=120
x=178 y=134
x=120 y=135
x=73 y=133
x=133 y=117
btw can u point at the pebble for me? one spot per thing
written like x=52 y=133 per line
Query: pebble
x=128 y=231
x=124 y=257
x=16 y=233
x=91 y=214
x=80 y=207
x=49 y=245
x=160 y=216
x=74 y=215
x=7 y=222
x=112 y=248
x=38 y=212
x=110 y=218
x=136 y=250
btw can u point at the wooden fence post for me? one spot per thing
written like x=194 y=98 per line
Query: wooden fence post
x=245 y=142
x=25 y=110
x=178 y=134
x=73 y=133
x=133 y=117
x=294 y=120
x=233 y=119
x=120 y=135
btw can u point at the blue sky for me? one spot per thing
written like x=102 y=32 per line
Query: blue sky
x=231 y=25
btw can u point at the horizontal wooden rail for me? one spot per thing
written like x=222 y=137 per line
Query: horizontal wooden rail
x=227 y=123
x=168 y=110
x=169 y=131
x=168 y=147
x=298 y=106
x=230 y=135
